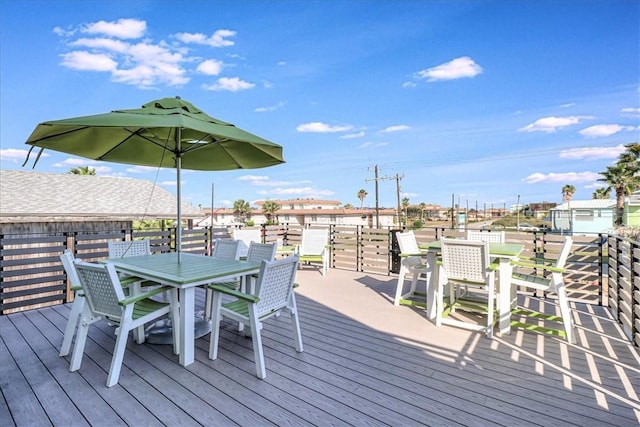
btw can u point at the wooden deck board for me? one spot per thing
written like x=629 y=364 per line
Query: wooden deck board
x=365 y=362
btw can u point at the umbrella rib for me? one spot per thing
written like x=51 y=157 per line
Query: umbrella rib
x=215 y=141
x=131 y=135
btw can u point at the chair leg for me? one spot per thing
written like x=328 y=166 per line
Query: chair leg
x=81 y=338
x=175 y=319
x=256 y=327
x=440 y=286
x=565 y=311
x=208 y=303
x=491 y=304
x=399 y=286
x=118 y=355
x=295 y=323
x=72 y=322
x=215 y=316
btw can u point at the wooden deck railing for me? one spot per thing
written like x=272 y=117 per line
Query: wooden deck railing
x=602 y=269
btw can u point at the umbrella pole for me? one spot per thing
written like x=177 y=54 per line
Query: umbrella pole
x=178 y=154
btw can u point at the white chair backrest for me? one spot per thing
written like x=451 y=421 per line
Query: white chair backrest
x=480 y=236
x=259 y=252
x=102 y=289
x=407 y=242
x=465 y=260
x=275 y=284
x=120 y=249
x=68 y=262
x=246 y=236
x=314 y=241
x=226 y=249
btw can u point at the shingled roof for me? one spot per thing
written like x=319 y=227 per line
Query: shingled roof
x=30 y=195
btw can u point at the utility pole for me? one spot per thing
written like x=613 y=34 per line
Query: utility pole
x=376 y=179
x=212 y=189
x=398 y=178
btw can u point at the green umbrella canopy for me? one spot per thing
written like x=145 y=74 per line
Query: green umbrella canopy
x=147 y=136
x=169 y=132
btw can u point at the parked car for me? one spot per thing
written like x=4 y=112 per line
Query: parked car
x=527 y=227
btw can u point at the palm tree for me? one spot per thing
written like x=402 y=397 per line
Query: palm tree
x=361 y=195
x=269 y=210
x=242 y=209
x=82 y=170
x=602 y=193
x=405 y=206
x=567 y=192
x=624 y=181
x=422 y=205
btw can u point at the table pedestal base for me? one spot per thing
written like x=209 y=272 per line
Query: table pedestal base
x=161 y=332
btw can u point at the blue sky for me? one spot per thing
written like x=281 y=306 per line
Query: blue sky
x=483 y=100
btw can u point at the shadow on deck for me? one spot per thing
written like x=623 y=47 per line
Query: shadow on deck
x=366 y=362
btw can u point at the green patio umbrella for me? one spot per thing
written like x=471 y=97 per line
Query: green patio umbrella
x=168 y=132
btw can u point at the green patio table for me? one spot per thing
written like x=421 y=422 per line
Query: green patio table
x=192 y=271
x=503 y=252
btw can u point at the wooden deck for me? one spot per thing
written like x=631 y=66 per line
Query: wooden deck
x=365 y=362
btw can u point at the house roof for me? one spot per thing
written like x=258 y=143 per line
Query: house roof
x=586 y=204
x=26 y=196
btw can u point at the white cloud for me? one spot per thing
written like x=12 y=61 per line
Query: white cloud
x=319 y=127
x=407 y=85
x=373 y=144
x=463 y=67
x=210 y=67
x=122 y=28
x=592 y=153
x=231 y=84
x=551 y=124
x=603 y=130
x=141 y=169
x=218 y=39
x=86 y=61
x=104 y=46
x=353 y=135
x=632 y=112
x=563 y=178
x=396 y=128
x=269 y=108
x=14 y=155
x=102 y=43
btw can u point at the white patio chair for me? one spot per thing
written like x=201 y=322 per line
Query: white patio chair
x=273 y=293
x=133 y=284
x=68 y=262
x=105 y=300
x=222 y=249
x=78 y=302
x=313 y=248
x=121 y=248
x=411 y=262
x=246 y=236
x=466 y=263
x=551 y=281
x=480 y=236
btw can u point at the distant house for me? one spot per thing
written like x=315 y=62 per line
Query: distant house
x=583 y=216
x=309 y=212
x=35 y=202
x=631 y=214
